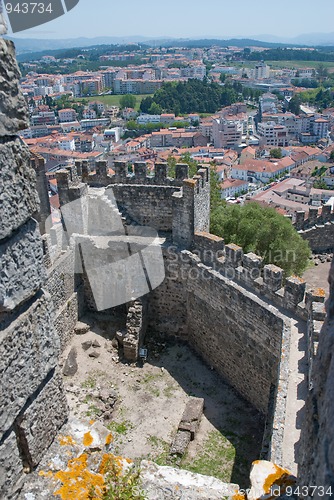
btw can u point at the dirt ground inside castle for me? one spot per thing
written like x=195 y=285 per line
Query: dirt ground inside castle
x=150 y=400
x=317 y=276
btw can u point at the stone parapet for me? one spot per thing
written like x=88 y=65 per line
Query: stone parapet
x=28 y=352
x=264 y=280
x=22 y=267
x=13 y=107
x=18 y=196
x=44 y=416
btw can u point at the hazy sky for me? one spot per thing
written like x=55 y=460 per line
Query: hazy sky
x=190 y=18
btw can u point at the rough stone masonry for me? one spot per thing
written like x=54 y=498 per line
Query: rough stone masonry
x=32 y=401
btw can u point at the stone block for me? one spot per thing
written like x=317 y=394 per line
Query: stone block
x=294 y=291
x=180 y=443
x=13 y=108
x=18 y=196
x=21 y=264
x=28 y=352
x=272 y=277
x=234 y=255
x=43 y=418
x=11 y=467
x=193 y=410
x=66 y=319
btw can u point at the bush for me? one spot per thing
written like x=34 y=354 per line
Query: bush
x=264 y=232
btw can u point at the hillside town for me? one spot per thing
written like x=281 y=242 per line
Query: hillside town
x=258 y=147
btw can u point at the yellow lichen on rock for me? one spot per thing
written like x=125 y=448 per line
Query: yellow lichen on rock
x=66 y=441
x=87 y=439
x=109 y=439
x=79 y=483
x=267 y=479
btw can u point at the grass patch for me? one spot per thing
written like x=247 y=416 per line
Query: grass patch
x=89 y=383
x=215 y=459
x=169 y=390
x=161 y=453
x=120 y=428
x=93 y=411
x=113 y=100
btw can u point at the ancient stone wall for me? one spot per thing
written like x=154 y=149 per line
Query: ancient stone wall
x=233 y=330
x=179 y=205
x=317 y=229
x=316 y=447
x=29 y=344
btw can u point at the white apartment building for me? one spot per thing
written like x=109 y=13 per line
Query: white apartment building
x=67 y=115
x=268 y=103
x=89 y=114
x=272 y=134
x=66 y=143
x=145 y=118
x=262 y=71
x=227 y=133
x=233 y=187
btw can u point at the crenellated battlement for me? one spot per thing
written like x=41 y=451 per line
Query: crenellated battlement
x=315 y=217
x=317 y=229
x=124 y=173
x=292 y=294
x=180 y=205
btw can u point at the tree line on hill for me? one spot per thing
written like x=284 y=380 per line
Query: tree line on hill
x=285 y=54
x=194 y=96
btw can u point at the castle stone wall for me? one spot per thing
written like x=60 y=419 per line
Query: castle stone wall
x=316 y=447
x=29 y=344
x=320 y=238
x=317 y=229
x=231 y=328
x=146 y=205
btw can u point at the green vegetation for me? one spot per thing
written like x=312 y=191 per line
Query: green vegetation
x=120 y=427
x=120 y=484
x=297 y=64
x=112 y=100
x=286 y=54
x=128 y=101
x=264 y=232
x=276 y=153
x=194 y=96
x=89 y=383
x=320 y=97
x=215 y=459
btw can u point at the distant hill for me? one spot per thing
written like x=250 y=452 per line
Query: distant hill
x=33 y=45
x=29 y=45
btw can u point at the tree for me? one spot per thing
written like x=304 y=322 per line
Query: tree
x=155 y=109
x=276 y=153
x=320 y=184
x=294 y=104
x=331 y=156
x=145 y=104
x=264 y=232
x=127 y=101
x=322 y=72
